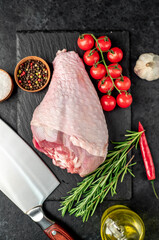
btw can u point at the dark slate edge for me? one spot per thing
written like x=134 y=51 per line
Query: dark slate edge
x=26 y=32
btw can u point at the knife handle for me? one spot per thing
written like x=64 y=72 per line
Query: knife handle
x=56 y=232
x=50 y=228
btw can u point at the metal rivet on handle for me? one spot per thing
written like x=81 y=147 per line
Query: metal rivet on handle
x=53 y=233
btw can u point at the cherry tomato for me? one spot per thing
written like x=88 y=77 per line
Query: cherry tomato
x=123 y=83
x=98 y=72
x=105 y=84
x=115 y=55
x=104 y=43
x=108 y=103
x=115 y=70
x=85 y=42
x=91 y=57
x=124 y=99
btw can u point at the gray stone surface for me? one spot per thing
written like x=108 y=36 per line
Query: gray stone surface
x=141 y=19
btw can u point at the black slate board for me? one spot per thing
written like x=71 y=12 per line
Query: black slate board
x=45 y=45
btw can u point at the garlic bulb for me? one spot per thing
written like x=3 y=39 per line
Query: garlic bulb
x=147 y=66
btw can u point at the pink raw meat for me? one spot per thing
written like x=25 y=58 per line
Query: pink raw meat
x=69 y=125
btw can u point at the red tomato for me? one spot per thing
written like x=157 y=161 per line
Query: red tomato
x=115 y=70
x=104 y=43
x=91 y=57
x=115 y=55
x=105 y=84
x=123 y=83
x=98 y=72
x=85 y=42
x=108 y=103
x=124 y=99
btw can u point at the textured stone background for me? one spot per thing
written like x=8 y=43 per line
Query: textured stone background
x=141 y=19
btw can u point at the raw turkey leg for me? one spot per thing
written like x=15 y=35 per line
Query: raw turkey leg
x=69 y=125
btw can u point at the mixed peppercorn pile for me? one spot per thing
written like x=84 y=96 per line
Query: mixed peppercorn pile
x=32 y=75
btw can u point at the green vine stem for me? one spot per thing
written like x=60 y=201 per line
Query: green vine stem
x=93 y=49
x=154 y=190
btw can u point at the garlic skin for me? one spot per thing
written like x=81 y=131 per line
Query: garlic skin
x=147 y=66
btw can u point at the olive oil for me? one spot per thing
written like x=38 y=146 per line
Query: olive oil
x=120 y=223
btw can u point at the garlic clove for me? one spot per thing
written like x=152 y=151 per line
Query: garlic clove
x=147 y=66
x=147 y=57
x=156 y=59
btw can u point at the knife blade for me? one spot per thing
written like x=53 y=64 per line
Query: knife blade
x=26 y=180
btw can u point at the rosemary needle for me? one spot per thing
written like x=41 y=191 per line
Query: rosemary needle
x=84 y=199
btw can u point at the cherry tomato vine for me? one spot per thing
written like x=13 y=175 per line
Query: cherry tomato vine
x=103 y=72
x=103 y=60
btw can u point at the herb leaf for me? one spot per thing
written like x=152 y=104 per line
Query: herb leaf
x=84 y=199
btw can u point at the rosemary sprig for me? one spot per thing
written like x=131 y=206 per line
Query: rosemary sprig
x=84 y=199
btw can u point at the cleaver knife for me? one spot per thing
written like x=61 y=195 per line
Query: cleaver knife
x=27 y=181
